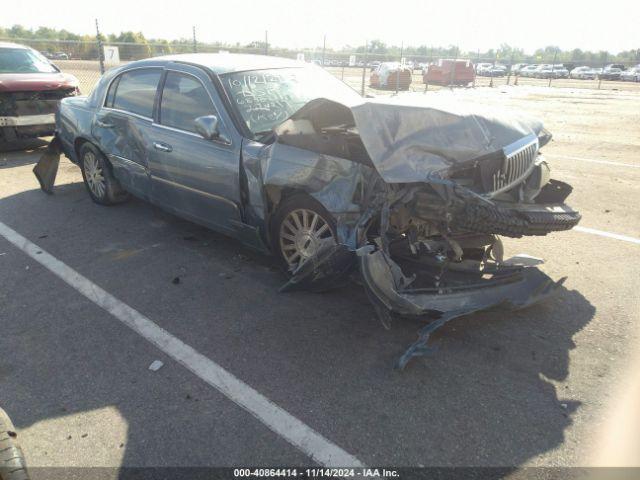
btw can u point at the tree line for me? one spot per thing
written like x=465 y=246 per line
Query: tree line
x=133 y=45
x=505 y=53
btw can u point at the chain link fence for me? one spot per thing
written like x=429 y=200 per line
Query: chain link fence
x=87 y=59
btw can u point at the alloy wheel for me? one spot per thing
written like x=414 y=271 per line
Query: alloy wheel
x=94 y=175
x=302 y=232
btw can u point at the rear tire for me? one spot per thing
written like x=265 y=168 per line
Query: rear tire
x=102 y=186
x=12 y=462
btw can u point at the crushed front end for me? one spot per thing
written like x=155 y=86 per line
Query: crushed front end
x=427 y=241
x=437 y=252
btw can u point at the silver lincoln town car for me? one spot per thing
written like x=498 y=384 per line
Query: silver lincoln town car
x=409 y=194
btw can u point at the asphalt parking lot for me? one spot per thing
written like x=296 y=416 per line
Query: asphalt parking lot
x=530 y=388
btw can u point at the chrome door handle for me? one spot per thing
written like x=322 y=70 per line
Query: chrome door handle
x=104 y=125
x=163 y=147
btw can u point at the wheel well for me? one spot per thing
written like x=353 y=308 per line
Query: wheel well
x=277 y=195
x=77 y=145
x=80 y=141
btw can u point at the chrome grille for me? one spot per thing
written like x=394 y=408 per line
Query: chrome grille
x=516 y=166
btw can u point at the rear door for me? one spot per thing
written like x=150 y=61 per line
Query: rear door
x=123 y=124
x=193 y=176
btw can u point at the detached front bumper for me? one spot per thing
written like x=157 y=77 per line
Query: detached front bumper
x=513 y=286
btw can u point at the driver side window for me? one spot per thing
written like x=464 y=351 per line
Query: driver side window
x=183 y=100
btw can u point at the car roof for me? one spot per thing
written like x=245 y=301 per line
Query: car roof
x=13 y=45
x=220 y=63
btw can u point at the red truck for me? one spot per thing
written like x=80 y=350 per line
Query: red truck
x=30 y=89
x=449 y=72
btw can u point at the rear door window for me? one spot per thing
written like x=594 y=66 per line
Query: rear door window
x=135 y=91
x=183 y=100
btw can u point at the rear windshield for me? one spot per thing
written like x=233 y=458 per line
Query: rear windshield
x=22 y=60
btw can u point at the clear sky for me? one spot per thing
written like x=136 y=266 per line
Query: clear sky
x=612 y=25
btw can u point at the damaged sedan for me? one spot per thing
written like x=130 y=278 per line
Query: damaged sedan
x=408 y=195
x=30 y=89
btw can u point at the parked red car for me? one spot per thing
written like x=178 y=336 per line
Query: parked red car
x=30 y=89
x=450 y=72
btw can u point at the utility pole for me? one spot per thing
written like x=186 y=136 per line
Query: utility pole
x=604 y=63
x=364 y=68
x=453 y=68
x=495 y=60
x=553 y=66
x=195 y=43
x=266 y=42
x=100 y=49
x=475 y=68
x=399 y=67
x=425 y=70
x=324 y=46
x=510 y=68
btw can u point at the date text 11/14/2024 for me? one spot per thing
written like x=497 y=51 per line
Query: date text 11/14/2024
x=315 y=472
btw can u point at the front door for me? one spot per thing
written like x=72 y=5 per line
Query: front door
x=193 y=176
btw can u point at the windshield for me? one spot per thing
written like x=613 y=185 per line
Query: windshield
x=266 y=98
x=22 y=60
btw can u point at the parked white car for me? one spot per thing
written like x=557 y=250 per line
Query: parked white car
x=482 y=68
x=559 y=71
x=584 y=73
x=528 y=71
x=543 y=71
x=631 y=75
x=515 y=69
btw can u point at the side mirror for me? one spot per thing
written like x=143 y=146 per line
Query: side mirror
x=209 y=127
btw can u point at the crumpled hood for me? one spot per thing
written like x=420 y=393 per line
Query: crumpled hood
x=410 y=139
x=414 y=138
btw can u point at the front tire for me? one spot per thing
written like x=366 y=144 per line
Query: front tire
x=299 y=228
x=102 y=186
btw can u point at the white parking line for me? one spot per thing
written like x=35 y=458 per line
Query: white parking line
x=592 y=160
x=287 y=426
x=602 y=233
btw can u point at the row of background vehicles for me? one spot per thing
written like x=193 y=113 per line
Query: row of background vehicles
x=541 y=70
x=614 y=71
x=57 y=55
x=462 y=72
